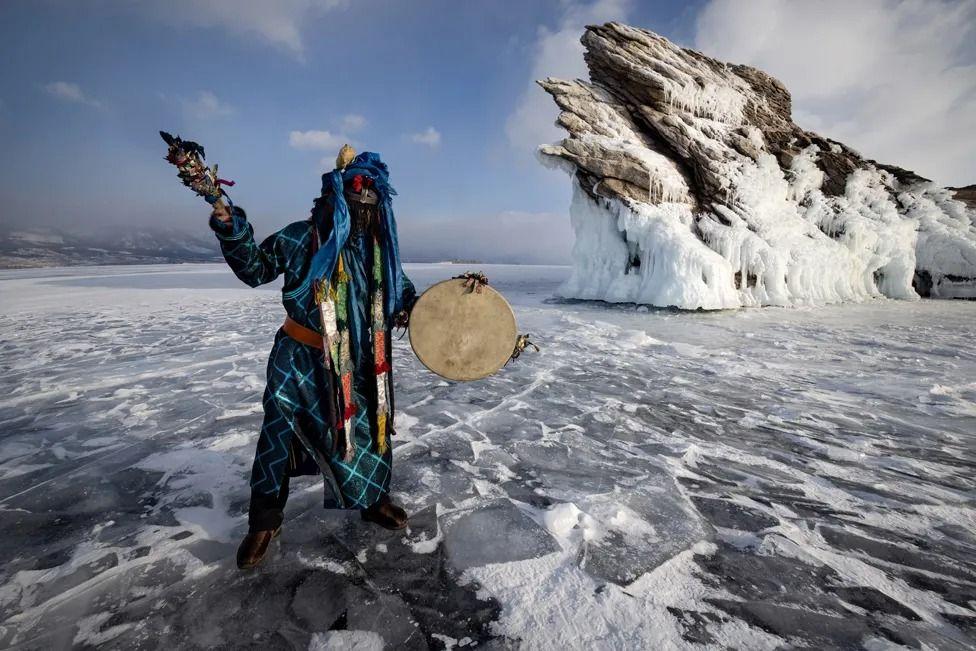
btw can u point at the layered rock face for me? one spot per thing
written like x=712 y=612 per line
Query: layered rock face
x=694 y=188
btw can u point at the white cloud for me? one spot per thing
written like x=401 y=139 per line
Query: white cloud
x=319 y=140
x=352 y=122
x=205 y=106
x=323 y=140
x=513 y=237
x=430 y=137
x=894 y=79
x=559 y=54
x=69 y=92
x=277 y=23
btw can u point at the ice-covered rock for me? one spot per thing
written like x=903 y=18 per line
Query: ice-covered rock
x=694 y=188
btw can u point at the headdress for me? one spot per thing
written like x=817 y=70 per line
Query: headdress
x=367 y=164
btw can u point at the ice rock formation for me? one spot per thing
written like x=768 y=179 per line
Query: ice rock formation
x=694 y=188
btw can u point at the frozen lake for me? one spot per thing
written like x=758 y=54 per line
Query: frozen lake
x=651 y=479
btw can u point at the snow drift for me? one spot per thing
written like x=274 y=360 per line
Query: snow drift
x=694 y=188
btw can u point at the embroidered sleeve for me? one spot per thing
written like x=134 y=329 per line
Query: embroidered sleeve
x=255 y=264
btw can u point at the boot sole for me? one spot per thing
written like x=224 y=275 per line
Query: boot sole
x=380 y=524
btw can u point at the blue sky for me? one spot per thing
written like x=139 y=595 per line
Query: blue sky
x=441 y=89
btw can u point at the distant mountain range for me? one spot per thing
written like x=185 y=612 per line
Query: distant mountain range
x=46 y=247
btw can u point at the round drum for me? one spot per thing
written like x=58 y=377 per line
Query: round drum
x=460 y=333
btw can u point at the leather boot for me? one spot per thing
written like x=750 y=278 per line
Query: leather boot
x=386 y=514
x=254 y=547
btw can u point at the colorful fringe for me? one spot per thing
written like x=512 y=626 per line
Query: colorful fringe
x=382 y=364
x=325 y=297
x=343 y=360
x=333 y=311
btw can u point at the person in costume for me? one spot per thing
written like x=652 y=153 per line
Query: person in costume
x=328 y=405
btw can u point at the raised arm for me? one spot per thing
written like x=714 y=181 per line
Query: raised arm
x=255 y=264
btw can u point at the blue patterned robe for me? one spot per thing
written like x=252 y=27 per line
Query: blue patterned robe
x=295 y=399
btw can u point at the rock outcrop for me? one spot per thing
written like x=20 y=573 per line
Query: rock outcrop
x=965 y=194
x=694 y=188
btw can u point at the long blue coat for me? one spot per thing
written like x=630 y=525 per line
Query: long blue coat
x=296 y=437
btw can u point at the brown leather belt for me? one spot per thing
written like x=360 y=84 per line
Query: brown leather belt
x=301 y=334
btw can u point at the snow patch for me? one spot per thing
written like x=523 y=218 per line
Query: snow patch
x=346 y=641
x=550 y=603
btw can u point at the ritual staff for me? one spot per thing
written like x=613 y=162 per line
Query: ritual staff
x=328 y=405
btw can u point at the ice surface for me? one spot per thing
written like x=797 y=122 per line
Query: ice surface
x=651 y=479
x=496 y=532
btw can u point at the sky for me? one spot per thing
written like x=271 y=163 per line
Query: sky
x=443 y=90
